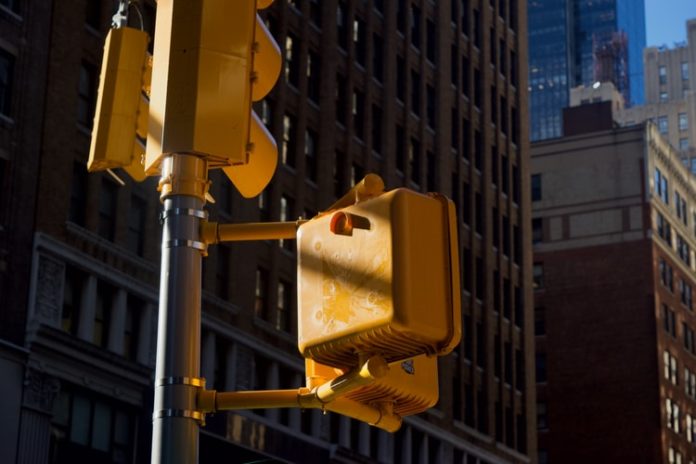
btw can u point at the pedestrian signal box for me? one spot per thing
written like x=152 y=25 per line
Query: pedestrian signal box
x=409 y=387
x=379 y=277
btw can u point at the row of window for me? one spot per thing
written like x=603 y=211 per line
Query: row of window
x=662 y=72
x=669 y=320
x=663 y=124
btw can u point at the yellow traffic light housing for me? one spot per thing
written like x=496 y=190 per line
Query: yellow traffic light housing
x=212 y=59
x=409 y=387
x=120 y=122
x=379 y=277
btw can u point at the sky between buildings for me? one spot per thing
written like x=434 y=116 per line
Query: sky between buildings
x=666 y=20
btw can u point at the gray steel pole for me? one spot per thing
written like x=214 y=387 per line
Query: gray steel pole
x=177 y=379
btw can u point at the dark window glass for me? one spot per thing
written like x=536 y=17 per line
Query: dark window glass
x=86 y=94
x=78 y=194
x=72 y=298
x=415 y=92
x=431 y=45
x=358 y=112
x=377 y=57
x=93 y=14
x=136 y=225
x=6 y=74
x=107 y=208
x=360 y=40
x=313 y=76
x=415 y=26
x=376 y=129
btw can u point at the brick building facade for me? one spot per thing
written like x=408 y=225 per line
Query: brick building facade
x=613 y=226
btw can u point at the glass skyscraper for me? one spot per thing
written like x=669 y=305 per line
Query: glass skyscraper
x=578 y=42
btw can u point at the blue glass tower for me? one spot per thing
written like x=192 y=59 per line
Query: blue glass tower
x=577 y=42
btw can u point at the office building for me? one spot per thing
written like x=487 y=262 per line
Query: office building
x=579 y=42
x=614 y=235
x=669 y=98
x=430 y=95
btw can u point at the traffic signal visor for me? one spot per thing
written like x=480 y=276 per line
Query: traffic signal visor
x=379 y=277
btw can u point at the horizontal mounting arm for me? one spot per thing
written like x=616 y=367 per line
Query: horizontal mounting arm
x=328 y=396
x=213 y=232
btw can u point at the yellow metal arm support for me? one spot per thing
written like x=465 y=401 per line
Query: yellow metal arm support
x=213 y=232
x=327 y=396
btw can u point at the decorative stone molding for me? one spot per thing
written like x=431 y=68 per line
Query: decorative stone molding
x=40 y=390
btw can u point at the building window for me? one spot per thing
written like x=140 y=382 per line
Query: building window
x=686 y=295
x=536 y=187
x=261 y=294
x=683 y=122
x=12 y=5
x=431 y=43
x=341 y=21
x=136 y=225
x=78 y=194
x=292 y=60
x=664 y=229
x=662 y=73
x=680 y=207
x=537 y=230
x=666 y=275
x=86 y=94
x=400 y=78
x=93 y=14
x=538 y=276
x=311 y=155
x=539 y=321
x=6 y=74
x=377 y=57
x=359 y=40
x=358 y=111
x=376 y=129
x=542 y=416
x=664 y=97
x=72 y=298
x=222 y=272
x=541 y=367
x=683 y=250
x=264 y=212
x=689 y=383
x=90 y=429
x=683 y=146
x=685 y=71
x=107 y=208
x=134 y=308
x=289 y=145
x=688 y=338
x=313 y=76
x=102 y=314
x=669 y=320
x=283 y=306
x=661 y=186
x=670 y=368
x=315 y=12
x=672 y=412
x=662 y=124
x=287 y=205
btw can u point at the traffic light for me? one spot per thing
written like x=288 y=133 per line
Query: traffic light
x=379 y=277
x=120 y=122
x=212 y=59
